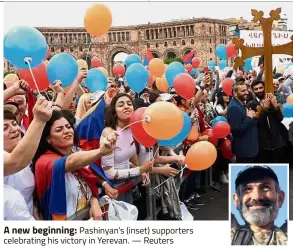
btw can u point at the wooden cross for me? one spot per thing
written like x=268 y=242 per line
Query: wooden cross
x=267 y=50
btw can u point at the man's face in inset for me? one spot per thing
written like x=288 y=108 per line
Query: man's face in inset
x=258 y=202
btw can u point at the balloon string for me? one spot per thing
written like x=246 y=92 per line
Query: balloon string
x=168 y=178
x=130 y=125
x=35 y=82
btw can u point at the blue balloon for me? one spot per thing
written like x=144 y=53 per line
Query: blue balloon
x=21 y=42
x=247 y=65
x=288 y=110
x=193 y=72
x=221 y=51
x=172 y=71
x=131 y=59
x=137 y=77
x=211 y=65
x=181 y=136
x=96 y=80
x=62 y=67
x=219 y=119
x=222 y=64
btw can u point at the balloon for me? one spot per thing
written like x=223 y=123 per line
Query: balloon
x=184 y=85
x=230 y=49
x=247 y=65
x=226 y=149
x=82 y=64
x=212 y=138
x=137 y=130
x=188 y=67
x=201 y=156
x=193 y=72
x=181 y=136
x=166 y=66
x=118 y=70
x=62 y=67
x=219 y=119
x=131 y=59
x=150 y=80
x=23 y=42
x=161 y=84
x=98 y=19
x=289 y=99
x=221 y=129
x=288 y=110
x=137 y=77
x=95 y=62
x=195 y=62
x=211 y=65
x=222 y=64
x=164 y=126
x=205 y=69
x=194 y=134
x=96 y=80
x=221 y=51
x=46 y=62
x=40 y=75
x=227 y=84
x=157 y=67
x=10 y=78
x=104 y=70
x=173 y=69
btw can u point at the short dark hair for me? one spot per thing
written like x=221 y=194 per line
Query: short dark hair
x=256 y=82
x=9 y=115
x=236 y=84
x=153 y=96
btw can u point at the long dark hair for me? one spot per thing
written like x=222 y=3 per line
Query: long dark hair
x=111 y=119
x=44 y=145
x=221 y=99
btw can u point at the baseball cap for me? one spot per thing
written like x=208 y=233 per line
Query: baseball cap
x=256 y=172
x=240 y=79
x=166 y=96
x=281 y=78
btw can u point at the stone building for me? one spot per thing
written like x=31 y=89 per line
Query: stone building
x=165 y=40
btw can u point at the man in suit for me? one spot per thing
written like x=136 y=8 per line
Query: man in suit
x=272 y=133
x=243 y=126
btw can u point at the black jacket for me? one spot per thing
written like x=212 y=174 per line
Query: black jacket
x=272 y=134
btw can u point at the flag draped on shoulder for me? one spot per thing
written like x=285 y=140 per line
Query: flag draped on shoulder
x=148 y=57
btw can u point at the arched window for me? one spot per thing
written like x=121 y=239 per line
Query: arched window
x=71 y=50
x=183 y=43
x=80 y=49
x=62 y=49
x=166 y=44
x=192 y=41
x=174 y=43
x=52 y=49
x=157 y=45
x=148 y=45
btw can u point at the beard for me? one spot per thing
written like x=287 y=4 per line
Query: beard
x=260 y=95
x=262 y=216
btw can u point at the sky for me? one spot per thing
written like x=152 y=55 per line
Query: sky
x=281 y=172
x=53 y=14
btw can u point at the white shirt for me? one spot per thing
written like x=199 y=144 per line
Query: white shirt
x=24 y=182
x=15 y=207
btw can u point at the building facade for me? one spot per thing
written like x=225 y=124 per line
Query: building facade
x=165 y=40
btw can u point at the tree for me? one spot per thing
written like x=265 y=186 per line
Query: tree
x=170 y=60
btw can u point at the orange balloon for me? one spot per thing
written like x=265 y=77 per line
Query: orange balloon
x=162 y=120
x=290 y=99
x=166 y=66
x=82 y=64
x=157 y=67
x=201 y=156
x=10 y=78
x=162 y=84
x=193 y=134
x=98 y=19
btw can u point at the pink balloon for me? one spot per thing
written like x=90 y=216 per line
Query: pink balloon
x=195 y=62
x=221 y=129
x=231 y=51
x=184 y=85
x=95 y=62
x=227 y=85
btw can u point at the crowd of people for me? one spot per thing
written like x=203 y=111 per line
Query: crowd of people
x=51 y=174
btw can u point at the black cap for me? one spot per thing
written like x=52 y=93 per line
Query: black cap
x=239 y=79
x=257 y=172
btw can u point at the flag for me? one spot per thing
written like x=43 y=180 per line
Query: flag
x=188 y=57
x=89 y=131
x=148 y=57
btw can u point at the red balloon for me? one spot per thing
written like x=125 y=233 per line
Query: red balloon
x=40 y=75
x=138 y=131
x=184 y=85
x=95 y=62
x=118 y=70
x=221 y=129
x=195 y=62
x=212 y=138
x=227 y=85
x=230 y=49
x=226 y=149
x=188 y=67
x=150 y=80
x=205 y=69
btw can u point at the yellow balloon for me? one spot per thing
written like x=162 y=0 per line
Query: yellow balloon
x=162 y=84
x=104 y=70
x=157 y=67
x=98 y=19
x=82 y=64
x=10 y=78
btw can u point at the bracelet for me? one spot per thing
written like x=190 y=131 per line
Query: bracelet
x=57 y=106
x=103 y=184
